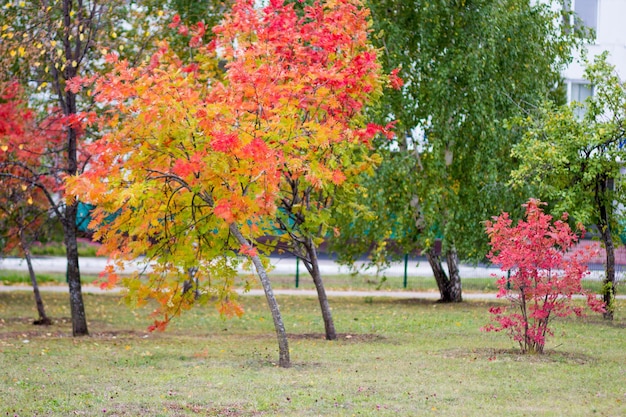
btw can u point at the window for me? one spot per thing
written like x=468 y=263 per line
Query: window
x=579 y=92
x=586 y=11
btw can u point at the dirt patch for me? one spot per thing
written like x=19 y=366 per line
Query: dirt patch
x=33 y=334
x=549 y=356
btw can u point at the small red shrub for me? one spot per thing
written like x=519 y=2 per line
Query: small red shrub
x=544 y=274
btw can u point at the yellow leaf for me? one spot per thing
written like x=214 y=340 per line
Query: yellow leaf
x=30 y=200
x=21 y=51
x=24 y=187
x=12 y=53
x=5 y=148
x=74 y=64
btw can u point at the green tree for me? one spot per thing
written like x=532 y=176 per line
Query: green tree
x=468 y=65
x=576 y=161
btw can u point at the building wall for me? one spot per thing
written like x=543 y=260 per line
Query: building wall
x=610 y=35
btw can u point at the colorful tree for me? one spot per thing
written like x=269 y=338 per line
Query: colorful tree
x=194 y=157
x=25 y=194
x=544 y=274
x=43 y=45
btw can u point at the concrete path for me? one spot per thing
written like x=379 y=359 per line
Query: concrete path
x=281 y=266
x=92 y=289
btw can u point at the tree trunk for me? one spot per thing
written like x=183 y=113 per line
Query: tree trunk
x=441 y=278
x=609 y=280
x=454 y=284
x=449 y=286
x=314 y=269
x=77 y=306
x=608 y=291
x=607 y=238
x=43 y=318
x=67 y=101
x=283 y=346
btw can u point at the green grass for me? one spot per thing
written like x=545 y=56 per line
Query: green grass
x=366 y=282
x=331 y=282
x=394 y=358
x=19 y=277
x=85 y=248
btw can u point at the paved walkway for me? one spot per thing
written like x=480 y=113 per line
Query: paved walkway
x=280 y=266
x=92 y=289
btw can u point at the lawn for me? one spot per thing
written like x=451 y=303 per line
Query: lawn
x=394 y=358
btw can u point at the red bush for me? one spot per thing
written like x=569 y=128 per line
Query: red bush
x=542 y=279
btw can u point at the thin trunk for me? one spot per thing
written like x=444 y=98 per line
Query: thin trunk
x=43 y=318
x=454 y=283
x=440 y=275
x=79 y=320
x=314 y=269
x=283 y=346
x=607 y=239
x=77 y=306
x=608 y=292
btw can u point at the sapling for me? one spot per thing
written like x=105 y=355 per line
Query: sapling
x=543 y=273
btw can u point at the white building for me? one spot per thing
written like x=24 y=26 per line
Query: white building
x=608 y=20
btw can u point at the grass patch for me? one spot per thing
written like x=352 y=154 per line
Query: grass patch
x=394 y=357
x=85 y=248
x=331 y=282
x=372 y=283
x=17 y=277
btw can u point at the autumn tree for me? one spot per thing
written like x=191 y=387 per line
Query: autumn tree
x=468 y=66
x=45 y=44
x=577 y=161
x=544 y=271
x=24 y=193
x=194 y=157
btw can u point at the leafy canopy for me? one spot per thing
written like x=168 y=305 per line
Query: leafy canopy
x=191 y=150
